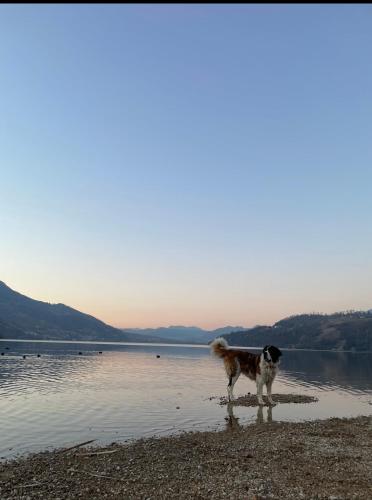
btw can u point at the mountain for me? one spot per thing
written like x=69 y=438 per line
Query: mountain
x=351 y=330
x=24 y=318
x=183 y=334
x=9 y=331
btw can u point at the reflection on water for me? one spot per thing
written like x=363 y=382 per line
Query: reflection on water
x=232 y=422
x=351 y=371
x=264 y=414
x=260 y=415
x=62 y=398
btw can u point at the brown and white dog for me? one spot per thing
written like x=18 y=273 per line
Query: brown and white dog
x=259 y=367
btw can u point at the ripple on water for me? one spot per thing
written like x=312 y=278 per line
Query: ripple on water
x=62 y=398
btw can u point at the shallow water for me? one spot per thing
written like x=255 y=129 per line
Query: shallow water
x=62 y=398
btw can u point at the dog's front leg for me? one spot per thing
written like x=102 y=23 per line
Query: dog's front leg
x=260 y=385
x=230 y=394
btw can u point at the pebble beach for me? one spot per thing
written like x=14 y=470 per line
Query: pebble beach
x=325 y=459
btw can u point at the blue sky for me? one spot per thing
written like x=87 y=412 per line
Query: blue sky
x=187 y=164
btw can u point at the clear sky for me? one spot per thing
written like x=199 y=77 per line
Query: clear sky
x=187 y=164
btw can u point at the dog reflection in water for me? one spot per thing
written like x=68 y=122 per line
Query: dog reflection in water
x=232 y=422
x=260 y=415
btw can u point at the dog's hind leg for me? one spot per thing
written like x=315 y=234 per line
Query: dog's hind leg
x=230 y=387
x=233 y=372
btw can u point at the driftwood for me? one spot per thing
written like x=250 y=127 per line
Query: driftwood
x=29 y=485
x=77 y=446
x=98 y=475
x=94 y=475
x=93 y=453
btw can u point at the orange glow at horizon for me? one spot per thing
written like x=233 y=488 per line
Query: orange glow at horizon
x=205 y=308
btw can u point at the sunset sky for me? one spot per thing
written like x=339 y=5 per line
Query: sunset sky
x=187 y=164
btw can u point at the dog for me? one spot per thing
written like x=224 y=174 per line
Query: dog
x=259 y=367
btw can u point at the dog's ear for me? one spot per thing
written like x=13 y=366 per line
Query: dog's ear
x=275 y=353
x=266 y=348
x=278 y=351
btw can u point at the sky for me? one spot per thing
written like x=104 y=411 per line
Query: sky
x=187 y=164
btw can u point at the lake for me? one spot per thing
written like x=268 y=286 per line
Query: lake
x=134 y=390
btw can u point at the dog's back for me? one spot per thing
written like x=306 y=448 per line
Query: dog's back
x=235 y=360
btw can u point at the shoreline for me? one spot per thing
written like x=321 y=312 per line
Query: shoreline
x=323 y=459
x=170 y=344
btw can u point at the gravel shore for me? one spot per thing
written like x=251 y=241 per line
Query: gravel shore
x=330 y=459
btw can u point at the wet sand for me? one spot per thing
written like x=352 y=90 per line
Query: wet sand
x=329 y=459
x=251 y=399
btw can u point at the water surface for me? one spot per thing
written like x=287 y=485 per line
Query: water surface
x=62 y=398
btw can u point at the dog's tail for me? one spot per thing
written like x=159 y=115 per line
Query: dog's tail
x=219 y=347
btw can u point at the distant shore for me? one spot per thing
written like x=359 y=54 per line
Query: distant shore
x=113 y=342
x=173 y=344
x=325 y=459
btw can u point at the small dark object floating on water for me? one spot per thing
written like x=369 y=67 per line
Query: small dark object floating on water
x=157 y=356
x=38 y=355
x=80 y=353
x=2 y=354
x=24 y=356
x=99 y=352
x=7 y=348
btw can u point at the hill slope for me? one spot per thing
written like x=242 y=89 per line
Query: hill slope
x=24 y=318
x=340 y=331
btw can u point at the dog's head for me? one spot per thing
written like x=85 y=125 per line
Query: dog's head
x=271 y=354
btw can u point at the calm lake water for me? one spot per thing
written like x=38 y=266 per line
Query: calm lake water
x=62 y=398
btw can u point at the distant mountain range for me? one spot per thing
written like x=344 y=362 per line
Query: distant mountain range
x=24 y=318
x=344 y=331
x=184 y=334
